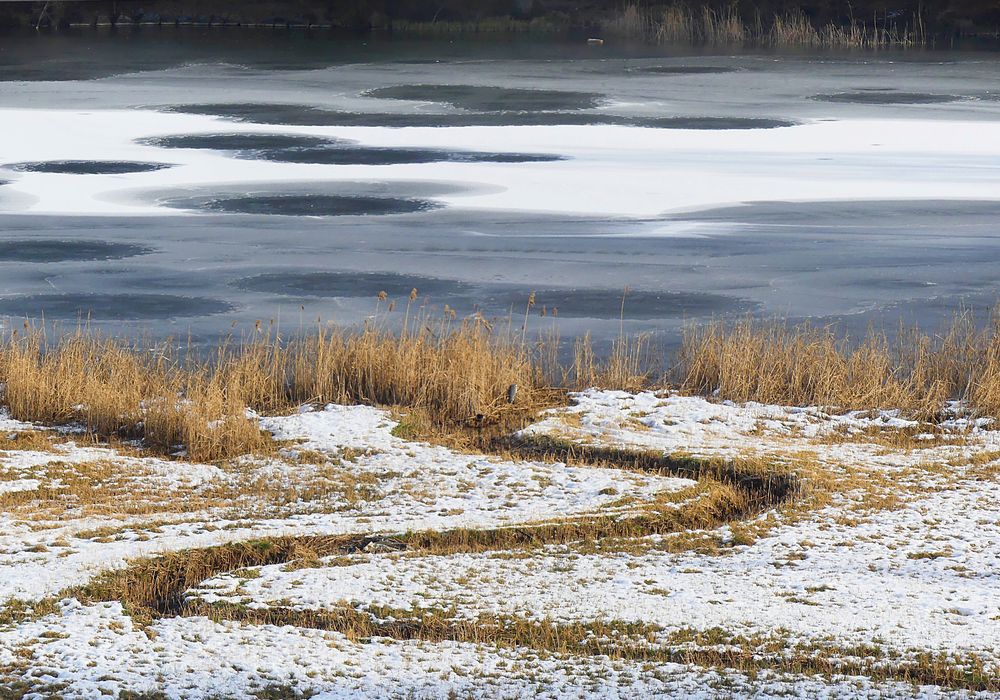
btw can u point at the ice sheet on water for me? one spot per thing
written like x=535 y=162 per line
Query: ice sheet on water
x=886 y=97
x=295 y=148
x=350 y=284
x=307 y=115
x=54 y=250
x=485 y=98
x=87 y=167
x=309 y=205
x=364 y=155
x=684 y=70
x=241 y=141
x=607 y=303
x=114 y=307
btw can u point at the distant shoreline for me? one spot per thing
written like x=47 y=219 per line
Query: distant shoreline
x=988 y=42
x=910 y=23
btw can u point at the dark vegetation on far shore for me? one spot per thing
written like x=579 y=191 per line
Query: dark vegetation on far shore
x=931 y=20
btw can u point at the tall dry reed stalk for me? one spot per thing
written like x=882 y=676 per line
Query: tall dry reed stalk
x=628 y=366
x=724 y=25
x=633 y=21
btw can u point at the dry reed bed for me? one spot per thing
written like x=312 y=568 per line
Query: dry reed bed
x=725 y=25
x=807 y=365
x=455 y=378
x=181 y=400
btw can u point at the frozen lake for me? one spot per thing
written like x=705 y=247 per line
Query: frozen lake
x=175 y=181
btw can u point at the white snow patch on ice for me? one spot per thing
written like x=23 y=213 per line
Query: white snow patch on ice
x=653 y=170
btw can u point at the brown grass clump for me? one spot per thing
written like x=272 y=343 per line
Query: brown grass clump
x=627 y=367
x=794 y=29
x=980 y=366
x=118 y=389
x=457 y=375
x=84 y=378
x=632 y=21
x=680 y=23
x=771 y=362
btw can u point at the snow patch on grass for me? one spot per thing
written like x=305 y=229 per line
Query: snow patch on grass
x=89 y=651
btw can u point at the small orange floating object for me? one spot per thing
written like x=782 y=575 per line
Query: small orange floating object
x=595 y=42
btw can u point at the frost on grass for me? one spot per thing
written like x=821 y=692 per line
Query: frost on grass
x=882 y=569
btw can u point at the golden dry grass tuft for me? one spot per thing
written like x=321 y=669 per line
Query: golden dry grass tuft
x=459 y=376
x=773 y=362
x=115 y=388
x=627 y=367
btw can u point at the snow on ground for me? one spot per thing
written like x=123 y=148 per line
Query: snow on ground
x=17 y=485
x=386 y=485
x=84 y=648
x=8 y=424
x=923 y=577
x=692 y=425
x=905 y=562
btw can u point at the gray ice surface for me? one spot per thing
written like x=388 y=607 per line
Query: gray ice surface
x=278 y=252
